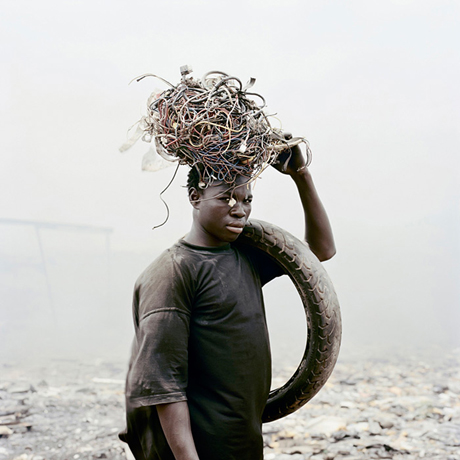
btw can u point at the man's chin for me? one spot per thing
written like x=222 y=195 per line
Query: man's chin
x=232 y=237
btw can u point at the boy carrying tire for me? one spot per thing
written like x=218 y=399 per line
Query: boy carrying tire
x=200 y=369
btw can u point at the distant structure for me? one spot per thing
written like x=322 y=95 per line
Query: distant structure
x=39 y=226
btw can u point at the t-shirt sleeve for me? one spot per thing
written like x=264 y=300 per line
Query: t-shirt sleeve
x=161 y=307
x=265 y=264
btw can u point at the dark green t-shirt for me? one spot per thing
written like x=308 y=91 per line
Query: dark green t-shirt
x=201 y=336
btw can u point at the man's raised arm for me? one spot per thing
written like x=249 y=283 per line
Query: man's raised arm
x=318 y=231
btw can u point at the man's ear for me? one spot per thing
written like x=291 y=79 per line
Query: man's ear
x=194 y=197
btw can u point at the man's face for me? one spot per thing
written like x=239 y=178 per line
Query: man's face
x=221 y=212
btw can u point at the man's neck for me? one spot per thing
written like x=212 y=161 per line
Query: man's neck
x=200 y=238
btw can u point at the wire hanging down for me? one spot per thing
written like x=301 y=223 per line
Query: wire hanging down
x=162 y=199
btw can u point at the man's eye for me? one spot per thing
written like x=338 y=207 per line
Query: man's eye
x=248 y=200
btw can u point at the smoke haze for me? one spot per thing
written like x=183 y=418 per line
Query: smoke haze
x=372 y=85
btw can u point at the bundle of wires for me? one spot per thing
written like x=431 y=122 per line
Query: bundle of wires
x=213 y=124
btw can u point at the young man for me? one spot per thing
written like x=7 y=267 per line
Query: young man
x=200 y=370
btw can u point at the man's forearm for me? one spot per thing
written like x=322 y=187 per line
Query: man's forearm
x=175 y=421
x=318 y=231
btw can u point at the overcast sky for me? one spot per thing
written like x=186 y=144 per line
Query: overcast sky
x=373 y=85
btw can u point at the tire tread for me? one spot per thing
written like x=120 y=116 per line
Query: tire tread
x=322 y=311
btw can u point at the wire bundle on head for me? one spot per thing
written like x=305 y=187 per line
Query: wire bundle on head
x=214 y=125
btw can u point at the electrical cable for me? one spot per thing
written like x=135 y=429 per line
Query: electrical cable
x=162 y=199
x=214 y=124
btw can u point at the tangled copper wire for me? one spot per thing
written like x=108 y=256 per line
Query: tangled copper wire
x=214 y=124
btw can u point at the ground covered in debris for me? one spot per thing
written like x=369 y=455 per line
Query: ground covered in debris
x=397 y=408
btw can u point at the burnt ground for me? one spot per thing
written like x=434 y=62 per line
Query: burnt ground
x=394 y=408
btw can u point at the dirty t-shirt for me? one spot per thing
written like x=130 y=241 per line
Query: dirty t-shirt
x=201 y=337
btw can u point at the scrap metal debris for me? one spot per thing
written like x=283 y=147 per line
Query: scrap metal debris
x=403 y=409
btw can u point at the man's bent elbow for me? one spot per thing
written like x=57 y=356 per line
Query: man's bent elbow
x=327 y=255
x=324 y=253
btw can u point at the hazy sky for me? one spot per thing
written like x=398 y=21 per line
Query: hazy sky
x=373 y=85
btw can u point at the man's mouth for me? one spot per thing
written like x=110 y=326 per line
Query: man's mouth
x=235 y=228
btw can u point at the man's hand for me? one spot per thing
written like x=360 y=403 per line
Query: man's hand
x=318 y=232
x=291 y=160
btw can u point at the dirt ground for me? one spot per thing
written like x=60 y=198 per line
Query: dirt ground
x=394 y=408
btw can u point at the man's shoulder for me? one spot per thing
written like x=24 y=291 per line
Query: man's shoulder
x=170 y=261
x=252 y=254
x=262 y=262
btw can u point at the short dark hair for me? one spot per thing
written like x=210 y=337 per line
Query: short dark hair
x=193 y=178
x=196 y=180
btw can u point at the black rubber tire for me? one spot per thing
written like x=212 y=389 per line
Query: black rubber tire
x=324 y=326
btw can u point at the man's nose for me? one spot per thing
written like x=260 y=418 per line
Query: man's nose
x=238 y=210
